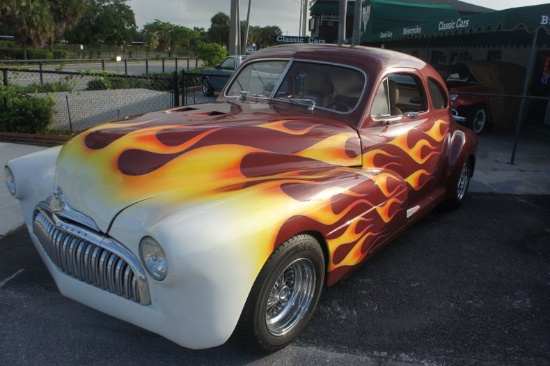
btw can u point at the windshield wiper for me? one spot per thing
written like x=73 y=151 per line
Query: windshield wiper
x=310 y=103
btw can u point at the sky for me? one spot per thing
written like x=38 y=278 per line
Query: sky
x=283 y=13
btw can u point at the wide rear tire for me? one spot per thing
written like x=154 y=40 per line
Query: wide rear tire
x=461 y=186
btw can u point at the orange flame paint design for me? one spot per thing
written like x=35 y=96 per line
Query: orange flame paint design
x=296 y=170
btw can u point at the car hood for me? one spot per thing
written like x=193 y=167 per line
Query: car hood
x=196 y=151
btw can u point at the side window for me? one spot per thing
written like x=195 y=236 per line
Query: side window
x=398 y=94
x=438 y=95
x=228 y=64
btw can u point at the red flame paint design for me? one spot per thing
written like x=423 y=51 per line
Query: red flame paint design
x=312 y=167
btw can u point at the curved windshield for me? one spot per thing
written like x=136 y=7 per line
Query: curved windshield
x=315 y=85
x=257 y=79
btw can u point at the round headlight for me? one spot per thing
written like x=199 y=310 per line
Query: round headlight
x=10 y=180
x=153 y=258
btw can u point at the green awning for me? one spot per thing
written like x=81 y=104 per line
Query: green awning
x=529 y=18
x=387 y=14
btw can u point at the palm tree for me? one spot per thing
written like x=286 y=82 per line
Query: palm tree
x=31 y=23
x=5 y=7
x=65 y=13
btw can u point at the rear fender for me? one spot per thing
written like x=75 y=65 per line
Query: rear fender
x=462 y=148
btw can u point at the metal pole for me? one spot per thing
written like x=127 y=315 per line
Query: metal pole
x=245 y=45
x=525 y=91
x=69 y=113
x=176 y=89
x=304 y=18
x=41 y=66
x=357 y=15
x=343 y=8
x=233 y=28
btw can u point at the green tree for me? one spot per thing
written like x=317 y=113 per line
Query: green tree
x=264 y=37
x=161 y=31
x=30 y=21
x=65 y=13
x=171 y=37
x=5 y=7
x=151 y=41
x=109 y=22
x=219 y=30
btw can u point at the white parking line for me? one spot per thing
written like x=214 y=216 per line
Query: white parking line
x=3 y=282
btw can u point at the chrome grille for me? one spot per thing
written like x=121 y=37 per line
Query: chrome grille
x=91 y=257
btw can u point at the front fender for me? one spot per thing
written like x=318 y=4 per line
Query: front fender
x=34 y=177
x=217 y=245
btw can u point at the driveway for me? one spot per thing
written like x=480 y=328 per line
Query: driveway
x=468 y=287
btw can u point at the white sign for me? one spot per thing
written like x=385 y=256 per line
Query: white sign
x=453 y=24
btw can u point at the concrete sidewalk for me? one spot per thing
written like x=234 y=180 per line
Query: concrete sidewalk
x=493 y=174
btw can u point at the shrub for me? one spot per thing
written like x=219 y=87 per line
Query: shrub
x=47 y=88
x=38 y=54
x=32 y=54
x=20 y=112
x=211 y=53
x=100 y=83
x=109 y=83
x=60 y=54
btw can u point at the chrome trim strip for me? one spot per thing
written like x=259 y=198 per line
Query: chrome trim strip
x=91 y=257
x=70 y=213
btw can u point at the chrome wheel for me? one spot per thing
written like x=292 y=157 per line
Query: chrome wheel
x=480 y=119
x=290 y=297
x=463 y=182
x=284 y=295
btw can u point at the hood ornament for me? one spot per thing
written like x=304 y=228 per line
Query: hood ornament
x=58 y=201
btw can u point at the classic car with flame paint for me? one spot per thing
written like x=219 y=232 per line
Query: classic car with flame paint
x=228 y=218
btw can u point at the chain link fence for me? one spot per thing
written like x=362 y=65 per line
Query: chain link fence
x=511 y=125
x=507 y=124
x=86 y=98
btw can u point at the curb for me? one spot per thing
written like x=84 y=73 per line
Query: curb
x=33 y=139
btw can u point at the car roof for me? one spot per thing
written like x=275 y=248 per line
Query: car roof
x=359 y=56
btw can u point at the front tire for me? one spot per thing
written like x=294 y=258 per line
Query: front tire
x=284 y=296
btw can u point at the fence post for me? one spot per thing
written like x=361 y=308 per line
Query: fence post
x=125 y=67
x=176 y=64
x=524 y=94
x=69 y=112
x=103 y=65
x=5 y=74
x=146 y=66
x=176 y=83
x=40 y=66
x=163 y=59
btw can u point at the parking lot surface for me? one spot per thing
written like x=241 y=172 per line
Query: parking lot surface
x=467 y=287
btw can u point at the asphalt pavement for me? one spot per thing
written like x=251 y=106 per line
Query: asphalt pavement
x=529 y=175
